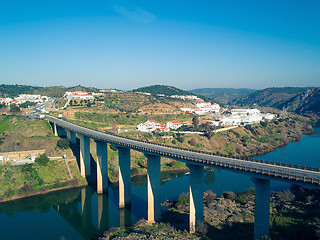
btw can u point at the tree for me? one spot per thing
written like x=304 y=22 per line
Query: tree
x=27 y=104
x=195 y=122
x=63 y=143
x=89 y=104
x=42 y=159
x=14 y=108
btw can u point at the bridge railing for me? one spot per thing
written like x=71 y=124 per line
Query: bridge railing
x=249 y=159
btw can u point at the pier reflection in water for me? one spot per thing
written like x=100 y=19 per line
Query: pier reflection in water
x=89 y=218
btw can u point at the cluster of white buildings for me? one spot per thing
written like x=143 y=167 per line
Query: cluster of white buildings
x=239 y=116
x=24 y=98
x=203 y=108
x=184 y=97
x=152 y=125
x=78 y=95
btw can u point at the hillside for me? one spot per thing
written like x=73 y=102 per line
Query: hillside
x=270 y=97
x=223 y=95
x=306 y=102
x=15 y=90
x=54 y=91
x=162 y=89
x=18 y=134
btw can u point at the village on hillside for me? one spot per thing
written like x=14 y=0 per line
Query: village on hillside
x=222 y=117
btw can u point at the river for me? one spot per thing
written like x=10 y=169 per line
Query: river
x=82 y=214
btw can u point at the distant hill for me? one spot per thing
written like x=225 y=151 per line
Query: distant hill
x=223 y=95
x=56 y=91
x=15 y=90
x=162 y=89
x=270 y=97
x=306 y=102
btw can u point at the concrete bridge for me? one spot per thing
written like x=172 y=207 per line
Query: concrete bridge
x=262 y=172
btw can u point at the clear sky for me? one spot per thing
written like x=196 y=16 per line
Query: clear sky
x=185 y=43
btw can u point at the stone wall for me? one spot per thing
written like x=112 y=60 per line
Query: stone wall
x=9 y=156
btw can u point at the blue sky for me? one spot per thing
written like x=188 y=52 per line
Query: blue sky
x=187 y=44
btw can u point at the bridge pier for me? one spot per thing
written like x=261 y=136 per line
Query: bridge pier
x=85 y=167
x=55 y=129
x=153 y=175
x=124 y=177
x=196 y=196
x=71 y=136
x=262 y=207
x=102 y=167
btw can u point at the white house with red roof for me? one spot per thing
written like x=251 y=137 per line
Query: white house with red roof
x=152 y=125
x=174 y=125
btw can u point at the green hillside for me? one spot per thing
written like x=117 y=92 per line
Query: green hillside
x=162 y=89
x=54 y=91
x=223 y=95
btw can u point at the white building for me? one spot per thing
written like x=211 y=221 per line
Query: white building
x=78 y=95
x=269 y=116
x=244 y=111
x=31 y=98
x=207 y=107
x=174 y=125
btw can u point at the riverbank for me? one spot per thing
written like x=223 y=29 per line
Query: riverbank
x=293 y=215
x=28 y=180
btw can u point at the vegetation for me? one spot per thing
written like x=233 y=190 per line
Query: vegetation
x=162 y=89
x=63 y=143
x=42 y=160
x=14 y=108
x=27 y=180
x=223 y=95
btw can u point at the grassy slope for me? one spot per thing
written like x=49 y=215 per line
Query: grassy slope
x=18 y=134
x=29 y=179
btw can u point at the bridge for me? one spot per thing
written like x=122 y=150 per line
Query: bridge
x=261 y=172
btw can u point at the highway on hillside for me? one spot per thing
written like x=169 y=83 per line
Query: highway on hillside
x=256 y=168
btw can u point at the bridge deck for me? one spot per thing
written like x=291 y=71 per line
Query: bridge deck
x=258 y=168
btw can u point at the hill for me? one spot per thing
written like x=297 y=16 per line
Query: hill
x=270 y=97
x=223 y=95
x=55 y=91
x=306 y=102
x=15 y=90
x=162 y=89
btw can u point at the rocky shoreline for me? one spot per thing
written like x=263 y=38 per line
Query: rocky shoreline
x=293 y=215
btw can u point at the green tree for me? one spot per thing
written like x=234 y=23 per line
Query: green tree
x=42 y=160
x=195 y=122
x=63 y=143
x=14 y=108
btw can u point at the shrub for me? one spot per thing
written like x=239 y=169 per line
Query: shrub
x=263 y=124
x=63 y=143
x=183 y=199
x=42 y=160
x=192 y=142
x=180 y=139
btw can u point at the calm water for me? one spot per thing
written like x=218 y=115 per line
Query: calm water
x=81 y=213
